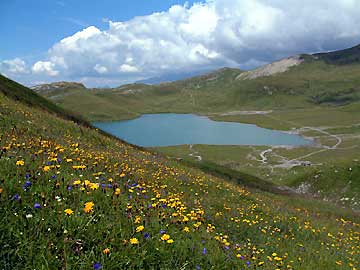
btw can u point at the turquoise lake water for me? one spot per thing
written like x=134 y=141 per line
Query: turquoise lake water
x=177 y=129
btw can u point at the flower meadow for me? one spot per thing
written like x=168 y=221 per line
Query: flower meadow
x=73 y=198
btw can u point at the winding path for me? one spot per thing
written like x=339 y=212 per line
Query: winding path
x=193 y=154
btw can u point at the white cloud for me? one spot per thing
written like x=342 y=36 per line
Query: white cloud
x=128 y=68
x=45 y=67
x=14 y=66
x=100 y=69
x=206 y=35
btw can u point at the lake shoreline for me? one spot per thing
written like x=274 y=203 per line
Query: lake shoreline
x=214 y=132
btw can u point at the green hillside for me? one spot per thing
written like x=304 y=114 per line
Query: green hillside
x=318 y=98
x=316 y=82
x=342 y=57
x=72 y=198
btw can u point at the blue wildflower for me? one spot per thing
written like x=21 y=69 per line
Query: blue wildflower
x=37 y=206
x=26 y=185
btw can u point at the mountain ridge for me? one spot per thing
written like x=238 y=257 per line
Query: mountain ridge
x=341 y=57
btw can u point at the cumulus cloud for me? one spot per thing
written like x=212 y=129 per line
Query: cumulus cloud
x=128 y=68
x=100 y=69
x=13 y=66
x=45 y=67
x=241 y=33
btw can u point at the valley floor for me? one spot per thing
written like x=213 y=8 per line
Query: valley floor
x=336 y=136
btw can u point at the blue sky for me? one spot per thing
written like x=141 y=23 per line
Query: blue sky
x=116 y=42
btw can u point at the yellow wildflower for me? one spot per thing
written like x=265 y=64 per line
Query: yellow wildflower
x=170 y=241
x=134 y=241
x=106 y=251
x=94 y=186
x=165 y=237
x=77 y=182
x=20 y=163
x=137 y=219
x=68 y=211
x=140 y=228
x=89 y=207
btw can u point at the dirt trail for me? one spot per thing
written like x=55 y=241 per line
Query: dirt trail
x=263 y=155
x=297 y=161
x=193 y=154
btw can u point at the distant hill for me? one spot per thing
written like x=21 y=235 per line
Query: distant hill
x=171 y=77
x=342 y=57
x=48 y=88
x=23 y=94
x=326 y=79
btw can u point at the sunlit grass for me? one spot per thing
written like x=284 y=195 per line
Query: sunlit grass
x=72 y=198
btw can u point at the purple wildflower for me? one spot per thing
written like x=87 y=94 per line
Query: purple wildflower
x=204 y=251
x=37 y=206
x=97 y=266
x=26 y=185
x=147 y=235
x=16 y=197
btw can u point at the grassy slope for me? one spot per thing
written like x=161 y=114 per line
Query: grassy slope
x=317 y=93
x=313 y=84
x=67 y=165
